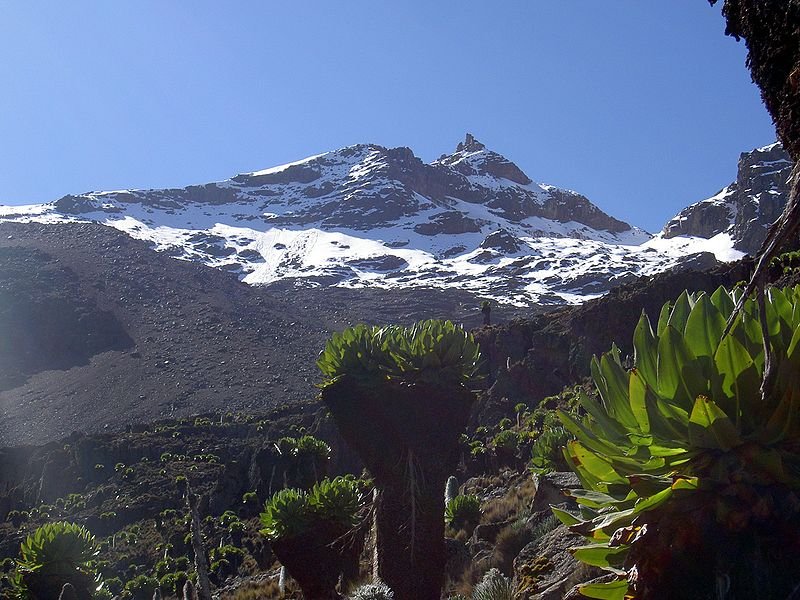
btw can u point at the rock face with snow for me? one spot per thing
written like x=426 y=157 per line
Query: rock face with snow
x=370 y=216
x=746 y=208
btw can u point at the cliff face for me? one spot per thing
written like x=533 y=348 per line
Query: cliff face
x=746 y=208
x=530 y=359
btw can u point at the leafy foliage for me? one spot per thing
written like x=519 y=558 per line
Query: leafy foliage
x=142 y=587
x=433 y=351
x=308 y=445
x=547 y=450
x=686 y=432
x=462 y=511
x=506 y=441
x=336 y=500
x=493 y=586
x=285 y=514
x=372 y=591
x=57 y=548
x=291 y=512
x=55 y=554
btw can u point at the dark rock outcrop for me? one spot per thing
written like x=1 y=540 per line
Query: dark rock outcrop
x=530 y=359
x=746 y=208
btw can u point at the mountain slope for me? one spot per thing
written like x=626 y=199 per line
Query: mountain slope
x=99 y=331
x=746 y=208
x=372 y=217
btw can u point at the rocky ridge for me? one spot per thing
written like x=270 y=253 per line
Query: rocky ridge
x=746 y=208
x=367 y=216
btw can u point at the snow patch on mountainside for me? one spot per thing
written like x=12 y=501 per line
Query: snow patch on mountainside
x=368 y=216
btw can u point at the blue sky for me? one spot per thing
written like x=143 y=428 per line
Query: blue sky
x=643 y=107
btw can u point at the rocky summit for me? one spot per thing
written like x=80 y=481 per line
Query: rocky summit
x=746 y=208
x=367 y=216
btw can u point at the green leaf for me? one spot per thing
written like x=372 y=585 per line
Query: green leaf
x=590 y=498
x=645 y=349
x=653 y=501
x=616 y=399
x=613 y=590
x=599 y=467
x=637 y=393
x=663 y=318
x=601 y=555
x=680 y=312
x=648 y=485
x=722 y=301
x=710 y=427
x=565 y=517
x=704 y=327
x=672 y=356
x=731 y=359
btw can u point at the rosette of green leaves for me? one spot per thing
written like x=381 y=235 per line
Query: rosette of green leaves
x=292 y=512
x=435 y=351
x=432 y=351
x=308 y=445
x=57 y=548
x=688 y=418
x=336 y=500
x=286 y=514
x=55 y=554
x=362 y=351
x=462 y=510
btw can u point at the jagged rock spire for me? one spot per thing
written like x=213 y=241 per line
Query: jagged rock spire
x=470 y=144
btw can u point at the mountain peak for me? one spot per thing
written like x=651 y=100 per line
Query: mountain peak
x=470 y=144
x=473 y=158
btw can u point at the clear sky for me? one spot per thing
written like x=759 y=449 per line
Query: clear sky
x=642 y=106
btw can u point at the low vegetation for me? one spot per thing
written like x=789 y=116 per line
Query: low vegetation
x=690 y=462
x=686 y=452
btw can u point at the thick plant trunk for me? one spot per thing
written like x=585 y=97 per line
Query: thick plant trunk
x=315 y=560
x=411 y=550
x=407 y=436
x=200 y=563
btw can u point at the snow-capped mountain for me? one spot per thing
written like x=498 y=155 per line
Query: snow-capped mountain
x=369 y=216
x=746 y=208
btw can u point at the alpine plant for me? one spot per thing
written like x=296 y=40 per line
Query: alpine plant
x=690 y=470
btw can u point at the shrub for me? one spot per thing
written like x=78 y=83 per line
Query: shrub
x=432 y=351
x=17 y=517
x=114 y=585
x=290 y=512
x=309 y=445
x=232 y=554
x=506 y=442
x=462 y=512
x=172 y=584
x=372 y=591
x=493 y=586
x=285 y=514
x=142 y=587
x=55 y=554
x=307 y=531
x=547 y=451
x=227 y=518
x=401 y=397
x=689 y=471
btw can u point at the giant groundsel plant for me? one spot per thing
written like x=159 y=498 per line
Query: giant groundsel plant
x=401 y=397
x=690 y=473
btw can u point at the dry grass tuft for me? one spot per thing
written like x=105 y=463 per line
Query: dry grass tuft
x=514 y=505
